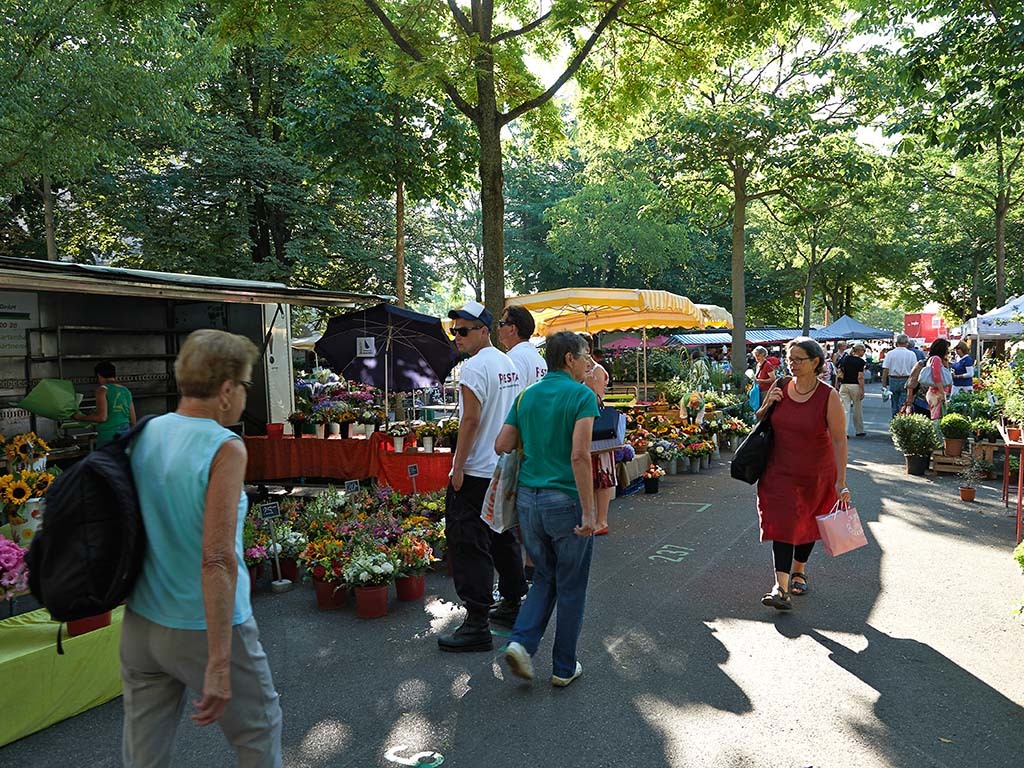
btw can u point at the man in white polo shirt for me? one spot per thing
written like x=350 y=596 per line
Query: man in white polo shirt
x=896 y=369
x=488 y=385
x=514 y=332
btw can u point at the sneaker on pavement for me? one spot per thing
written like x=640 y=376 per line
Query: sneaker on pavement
x=519 y=662
x=561 y=682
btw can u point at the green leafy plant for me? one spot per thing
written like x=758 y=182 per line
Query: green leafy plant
x=954 y=426
x=971 y=473
x=914 y=435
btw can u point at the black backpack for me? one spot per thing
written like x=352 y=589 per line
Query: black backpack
x=89 y=553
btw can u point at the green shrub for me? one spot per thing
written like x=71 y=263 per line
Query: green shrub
x=954 y=426
x=985 y=429
x=914 y=435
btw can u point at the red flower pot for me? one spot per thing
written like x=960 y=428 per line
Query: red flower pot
x=289 y=569
x=81 y=626
x=275 y=430
x=254 y=574
x=411 y=588
x=330 y=595
x=372 y=602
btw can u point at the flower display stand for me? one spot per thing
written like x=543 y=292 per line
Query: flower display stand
x=330 y=595
x=411 y=588
x=372 y=602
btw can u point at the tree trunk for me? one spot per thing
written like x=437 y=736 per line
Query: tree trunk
x=48 y=221
x=739 y=298
x=808 y=291
x=400 y=242
x=1002 y=206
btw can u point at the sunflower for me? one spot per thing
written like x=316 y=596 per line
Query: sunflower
x=26 y=449
x=18 y=493
x=43 y=483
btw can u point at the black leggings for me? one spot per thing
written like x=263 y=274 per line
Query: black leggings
x=785 y=553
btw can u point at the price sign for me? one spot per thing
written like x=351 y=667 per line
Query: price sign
x=270 y=510
x=351 y=486
x=413 y=470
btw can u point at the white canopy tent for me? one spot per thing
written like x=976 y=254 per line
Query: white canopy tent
x=1005 y=322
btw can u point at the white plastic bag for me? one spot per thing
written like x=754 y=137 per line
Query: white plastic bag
x=499 y=510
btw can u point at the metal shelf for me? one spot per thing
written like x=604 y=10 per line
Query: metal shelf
x=56 y=358
x=105 y=329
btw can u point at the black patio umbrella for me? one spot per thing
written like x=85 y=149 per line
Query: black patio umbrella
x=391 y=348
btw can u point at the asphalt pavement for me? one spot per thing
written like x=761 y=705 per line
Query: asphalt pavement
x=906 y=653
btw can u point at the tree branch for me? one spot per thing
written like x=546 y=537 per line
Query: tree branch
x=570 y=70
x=522 y=30
x=460 y=17
x=416 y=55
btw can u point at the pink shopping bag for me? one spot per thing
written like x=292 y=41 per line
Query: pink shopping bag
x=841 y=530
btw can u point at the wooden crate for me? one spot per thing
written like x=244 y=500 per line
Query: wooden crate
x=986 y=451
x=943 y=464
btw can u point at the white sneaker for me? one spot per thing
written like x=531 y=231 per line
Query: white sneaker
x=518 y=661
x=561 y=682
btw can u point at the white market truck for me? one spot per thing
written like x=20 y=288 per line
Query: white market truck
x=58 y=319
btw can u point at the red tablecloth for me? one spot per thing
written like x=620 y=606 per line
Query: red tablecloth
x=393 y=470
x=287 y=458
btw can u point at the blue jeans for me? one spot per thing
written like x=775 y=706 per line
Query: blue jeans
x=561 y=562
x=898 y=387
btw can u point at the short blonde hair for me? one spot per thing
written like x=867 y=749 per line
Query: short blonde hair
x=208 y=358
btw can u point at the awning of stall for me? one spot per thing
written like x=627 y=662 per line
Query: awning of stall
x=753 y=336
x=715 y=316
x=848 y=328
x=1003 y=322
x=608 y=309
x=61 y=276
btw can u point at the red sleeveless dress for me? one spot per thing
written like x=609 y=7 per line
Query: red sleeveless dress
x=799 y=482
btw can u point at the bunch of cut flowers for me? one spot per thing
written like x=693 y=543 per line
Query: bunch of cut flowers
x=13 y=572
x=370 y=566
x=654 y=472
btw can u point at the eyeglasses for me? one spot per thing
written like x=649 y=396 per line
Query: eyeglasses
x=464 y=332
x=793 y=360
x=505 y=323
x=245 y=383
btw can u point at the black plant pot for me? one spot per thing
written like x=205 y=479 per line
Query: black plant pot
x=917 y=465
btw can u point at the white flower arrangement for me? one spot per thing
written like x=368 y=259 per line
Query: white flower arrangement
x=369 y=567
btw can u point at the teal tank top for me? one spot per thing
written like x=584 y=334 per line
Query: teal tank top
x=119 y=405
x=171 y=464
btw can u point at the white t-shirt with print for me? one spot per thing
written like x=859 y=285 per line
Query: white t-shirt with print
x=492 y=377
x=528 y=362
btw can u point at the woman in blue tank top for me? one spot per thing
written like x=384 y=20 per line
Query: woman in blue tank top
x=189 y=622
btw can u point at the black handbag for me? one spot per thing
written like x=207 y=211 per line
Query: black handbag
x=606 y=425
x=751 y=458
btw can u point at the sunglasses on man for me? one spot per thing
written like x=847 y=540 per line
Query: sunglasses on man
x=464 y=332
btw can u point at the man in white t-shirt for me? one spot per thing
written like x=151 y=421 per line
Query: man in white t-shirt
x=514 y=332
x=896 y=369
x=488 y=385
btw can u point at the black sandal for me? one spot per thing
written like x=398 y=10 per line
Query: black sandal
x=778 y=599
x=798 y=588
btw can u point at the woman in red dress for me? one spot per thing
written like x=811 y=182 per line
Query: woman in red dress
x=806 y=471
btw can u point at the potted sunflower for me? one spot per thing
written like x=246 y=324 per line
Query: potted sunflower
x=21 y=494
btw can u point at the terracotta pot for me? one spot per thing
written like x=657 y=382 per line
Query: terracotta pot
x=289 y=569
x=917 y=465
x=275 y=430
x=330 y=596
x=372 y=602
x=411 y=587
x=952 y=446
x=78 y=627
x=651 y=484
x=968 y=494
x=1014 y=434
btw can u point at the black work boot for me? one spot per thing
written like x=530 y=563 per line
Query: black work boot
x=506 y=612
x=473 y=635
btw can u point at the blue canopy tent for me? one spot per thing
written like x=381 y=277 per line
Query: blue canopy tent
x=848 y=328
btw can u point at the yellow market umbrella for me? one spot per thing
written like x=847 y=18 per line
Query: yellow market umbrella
x=582 y=300
x=715 y=316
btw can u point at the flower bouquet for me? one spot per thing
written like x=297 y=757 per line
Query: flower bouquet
x=13 y=572
x=399 y=429
x=413 y=554
x=654 y=472
x=20 y=494
x=450 y=431
x=370 y=567
x=255 y=555
x=661 y=451
x=24 y=450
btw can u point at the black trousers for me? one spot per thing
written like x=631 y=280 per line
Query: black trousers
x=785 y=553
x=476 y=551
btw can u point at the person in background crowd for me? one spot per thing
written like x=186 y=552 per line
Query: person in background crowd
x=115 y=411
x=555 y=503
x=828 y=374
x=189 y=622
x=764 y=370
x=603 y=463
x=896 y=369
x=488 y=385
x=838 y=354
x=935 y=396
x=918 y=352
x=806 y=472
x=851 y=391
x=514 y=332
x=598 y=357
x=963 y=369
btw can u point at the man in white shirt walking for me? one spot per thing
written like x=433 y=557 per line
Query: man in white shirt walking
x=488 y=386
x=514 y=332
x=896 y=369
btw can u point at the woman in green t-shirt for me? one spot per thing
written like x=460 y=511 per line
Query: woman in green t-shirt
x=115 y=411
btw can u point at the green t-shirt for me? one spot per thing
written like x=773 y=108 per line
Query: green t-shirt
x=546 y=416
x=119 y=405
